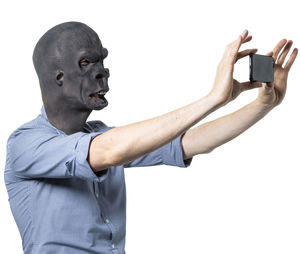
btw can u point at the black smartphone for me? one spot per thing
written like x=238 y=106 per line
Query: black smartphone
x=261 y=68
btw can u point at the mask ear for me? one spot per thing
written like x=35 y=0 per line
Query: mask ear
x=59 y=78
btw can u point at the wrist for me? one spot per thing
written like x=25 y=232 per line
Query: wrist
x=215 y=100
x=263 y=106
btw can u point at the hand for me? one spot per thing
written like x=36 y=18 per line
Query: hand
x=272 y=94
x=226 y=88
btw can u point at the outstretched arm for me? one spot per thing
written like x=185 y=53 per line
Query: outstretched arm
x=126 y=143
x=208 y=136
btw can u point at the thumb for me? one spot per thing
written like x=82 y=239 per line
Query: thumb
x=250 y=85
x=268 y=86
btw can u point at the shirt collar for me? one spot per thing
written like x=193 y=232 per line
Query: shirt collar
x=44 y=115
x=86 y=127
x=43 y=111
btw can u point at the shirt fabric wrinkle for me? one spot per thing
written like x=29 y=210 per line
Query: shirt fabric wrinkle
x=59 y=204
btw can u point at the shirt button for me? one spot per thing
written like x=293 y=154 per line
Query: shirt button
x=97 y=195
x=113 y=246
x=107 y=220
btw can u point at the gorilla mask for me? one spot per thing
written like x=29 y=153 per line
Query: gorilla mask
x=68 y=60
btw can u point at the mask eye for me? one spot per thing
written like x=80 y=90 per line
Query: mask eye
x=83 y=62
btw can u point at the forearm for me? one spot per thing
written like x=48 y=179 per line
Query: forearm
x=208 y=136
x=126 y=143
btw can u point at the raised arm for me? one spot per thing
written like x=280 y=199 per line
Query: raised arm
x=126 y=143
x=208 y=136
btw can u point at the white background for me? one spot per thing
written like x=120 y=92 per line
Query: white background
x=241 y=198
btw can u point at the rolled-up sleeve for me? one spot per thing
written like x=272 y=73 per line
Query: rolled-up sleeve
x=169 y=154
x=42 y=154
x=173 y=154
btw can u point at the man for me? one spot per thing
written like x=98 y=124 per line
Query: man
x=65 y=176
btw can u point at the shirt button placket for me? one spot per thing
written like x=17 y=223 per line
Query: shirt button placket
x=96 y=190
x=107 y=221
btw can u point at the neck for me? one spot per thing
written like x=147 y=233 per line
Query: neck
x=67 y=119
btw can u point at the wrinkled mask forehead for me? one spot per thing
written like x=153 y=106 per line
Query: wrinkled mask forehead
x=78 y=43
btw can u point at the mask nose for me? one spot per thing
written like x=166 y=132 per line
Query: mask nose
x=104 y=73
x=102 y=77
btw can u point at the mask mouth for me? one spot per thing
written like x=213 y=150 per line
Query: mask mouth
x=99 y=95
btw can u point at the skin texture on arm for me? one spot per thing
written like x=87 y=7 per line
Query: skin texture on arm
x=208 y=136
x=123 y=144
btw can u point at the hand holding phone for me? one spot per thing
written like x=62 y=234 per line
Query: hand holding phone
x=272 y=94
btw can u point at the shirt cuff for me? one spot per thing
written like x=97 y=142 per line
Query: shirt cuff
x=82 y=168
x=173 y=154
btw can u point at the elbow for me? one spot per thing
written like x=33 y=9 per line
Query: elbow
x=208 y=150
x=101 y=156
x=97 y=164
x=190 y=155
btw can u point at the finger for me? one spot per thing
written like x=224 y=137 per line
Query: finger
x=240 y=40
x=270 y=53
x=244 y=35
x=268 y=86
x=250 y=85
x=245 y=53
x=232 y=51
x=277 y=48
x=249 y=38
x=291 y=60
x=233 y=48
x=284 y=53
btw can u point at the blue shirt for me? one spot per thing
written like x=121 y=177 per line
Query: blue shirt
x=59 y=204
